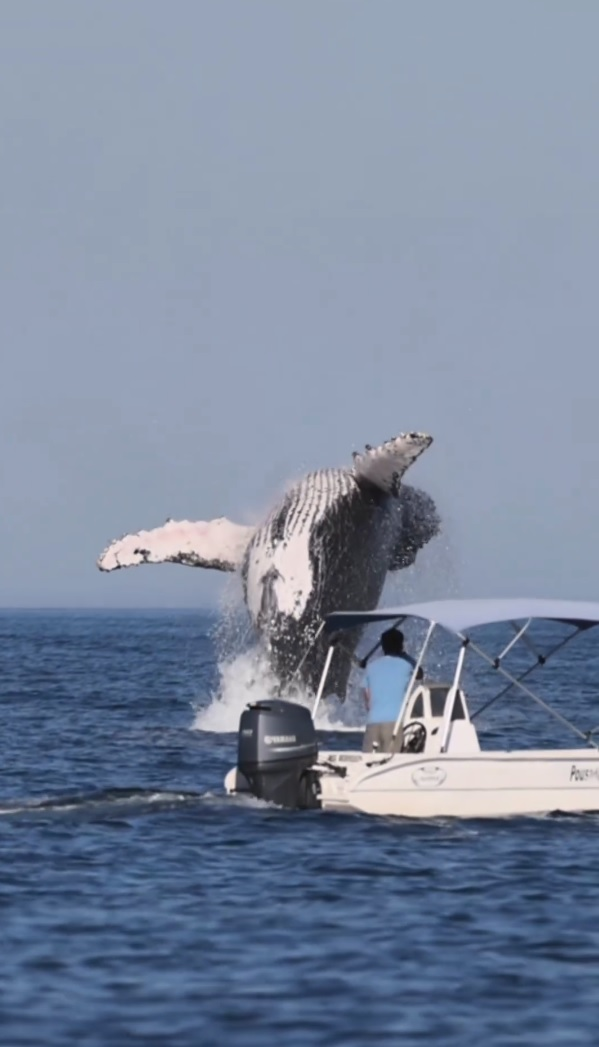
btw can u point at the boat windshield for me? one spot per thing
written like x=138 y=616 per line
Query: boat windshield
x=438 y=698
x=438 y=694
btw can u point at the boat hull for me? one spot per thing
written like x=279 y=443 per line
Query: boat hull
x=482 y=785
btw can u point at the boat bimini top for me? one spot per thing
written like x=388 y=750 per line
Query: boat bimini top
x=458 y=618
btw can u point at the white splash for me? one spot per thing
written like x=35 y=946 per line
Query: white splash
x=247 y=678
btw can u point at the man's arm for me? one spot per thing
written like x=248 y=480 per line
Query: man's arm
x=366 y=697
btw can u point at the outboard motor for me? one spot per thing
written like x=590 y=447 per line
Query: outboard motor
x=277 y=745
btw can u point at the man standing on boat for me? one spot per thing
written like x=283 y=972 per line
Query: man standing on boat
x=386 y=682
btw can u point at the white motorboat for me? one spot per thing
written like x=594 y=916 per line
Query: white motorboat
x=440 y=769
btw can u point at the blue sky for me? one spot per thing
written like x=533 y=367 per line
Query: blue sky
x=239 y=240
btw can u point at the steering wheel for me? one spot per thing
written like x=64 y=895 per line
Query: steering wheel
x=414 y=737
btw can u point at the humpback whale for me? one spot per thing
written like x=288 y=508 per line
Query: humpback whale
x=327 y=545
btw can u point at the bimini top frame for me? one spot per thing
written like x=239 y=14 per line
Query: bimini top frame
x=459 y=617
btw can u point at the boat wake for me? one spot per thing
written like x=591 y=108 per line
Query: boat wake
x=119 y=805
x=108 y=803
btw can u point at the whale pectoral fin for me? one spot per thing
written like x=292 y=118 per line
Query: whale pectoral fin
x=384 y=466
x=217 y=544
x=419 y=521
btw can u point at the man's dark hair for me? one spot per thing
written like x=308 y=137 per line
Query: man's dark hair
x=392 y=642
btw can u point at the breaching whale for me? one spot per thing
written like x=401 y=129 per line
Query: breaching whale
x=327 y=545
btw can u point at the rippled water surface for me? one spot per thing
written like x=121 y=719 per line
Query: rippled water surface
x=138 y=904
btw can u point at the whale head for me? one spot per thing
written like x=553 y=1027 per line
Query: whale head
x=384 y=466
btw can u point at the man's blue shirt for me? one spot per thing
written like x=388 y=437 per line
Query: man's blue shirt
x=387 y=679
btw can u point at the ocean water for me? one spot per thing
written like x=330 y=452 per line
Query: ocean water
x=139 y=905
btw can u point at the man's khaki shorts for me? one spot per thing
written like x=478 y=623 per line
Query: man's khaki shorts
x=381 y=734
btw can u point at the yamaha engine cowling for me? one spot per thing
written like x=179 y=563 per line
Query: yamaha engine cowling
x=276 y=747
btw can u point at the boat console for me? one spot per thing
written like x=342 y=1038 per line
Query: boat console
x=427 y=705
